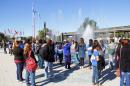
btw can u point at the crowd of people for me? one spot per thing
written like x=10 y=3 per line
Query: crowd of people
x=42 y=54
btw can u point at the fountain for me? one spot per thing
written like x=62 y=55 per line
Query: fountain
x=88 y=33
x=86 y=30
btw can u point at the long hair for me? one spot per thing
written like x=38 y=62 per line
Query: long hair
x=76 y=44
x=82 y=41
x=95 y=45
x=27 y=48
x=16 y=44
x=49 y=42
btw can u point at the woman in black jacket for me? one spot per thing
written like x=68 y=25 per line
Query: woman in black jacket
x=19 y=60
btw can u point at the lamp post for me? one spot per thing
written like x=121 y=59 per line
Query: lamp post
x=33 y=19
x=45 y=29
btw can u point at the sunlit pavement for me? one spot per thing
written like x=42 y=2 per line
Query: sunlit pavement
x=62 y=77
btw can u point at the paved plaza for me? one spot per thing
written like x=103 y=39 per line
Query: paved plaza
x=63 y=77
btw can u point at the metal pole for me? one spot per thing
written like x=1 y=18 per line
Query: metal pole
x=33 y=20
x=45 y=29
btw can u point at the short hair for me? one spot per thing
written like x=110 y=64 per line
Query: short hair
x=43 y=41
x=125 y=42
x=40 y=41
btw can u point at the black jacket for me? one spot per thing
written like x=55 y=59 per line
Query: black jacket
x=125 y=59
x=47 y=53
x=18 y=54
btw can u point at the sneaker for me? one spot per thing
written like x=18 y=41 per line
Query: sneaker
x=69 y=67
x=28 y=84
x=80 y=67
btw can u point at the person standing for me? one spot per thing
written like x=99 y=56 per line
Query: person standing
x=94 y=61
x=101 y=62
x=5 y=46
x=60 y=53
x=125 y=63
x=117 y=58
x=82 y=50
x=22 y=44
x=111 y=52
x=67 y=54
x=19 y=60
x=10 y=46
x=47 y=52
x=77 y=51
x=72 y=48
x=37 y=49
x=89 y=49
x=33 y=45
x=30 y=75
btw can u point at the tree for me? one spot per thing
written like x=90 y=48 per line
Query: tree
x=42 y=33
x=2 y=36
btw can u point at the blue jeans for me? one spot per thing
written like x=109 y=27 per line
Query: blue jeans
x=48 y=67
x=77 y=57
x=30 y=76
x=95 y=76
x=40 y=61
x=19 y=70
x=125 y=76
x=111 y=61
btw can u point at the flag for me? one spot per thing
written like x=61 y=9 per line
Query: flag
x=16 y=32
x=23 y=32
x=49 y=32
x=5 y=32
x=9 y=31
x=20 y=33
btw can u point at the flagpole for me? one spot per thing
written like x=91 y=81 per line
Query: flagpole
x=33 y=18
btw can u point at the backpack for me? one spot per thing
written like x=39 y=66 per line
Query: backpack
x=38 y=47
x=31 y=64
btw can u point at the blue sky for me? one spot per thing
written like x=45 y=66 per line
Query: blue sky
x=63 y=15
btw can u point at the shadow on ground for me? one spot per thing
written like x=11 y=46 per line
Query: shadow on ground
x=107 y=75
x=59 y=76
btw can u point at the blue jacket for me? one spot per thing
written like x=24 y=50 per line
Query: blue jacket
x=66 y=49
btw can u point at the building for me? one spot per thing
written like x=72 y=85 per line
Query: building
x=89 y=30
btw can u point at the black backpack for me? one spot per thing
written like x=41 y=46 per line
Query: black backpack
x=38 y=47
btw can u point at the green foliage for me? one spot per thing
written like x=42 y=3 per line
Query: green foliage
x=121 y=34
x=42 y=33
x=2 y=36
